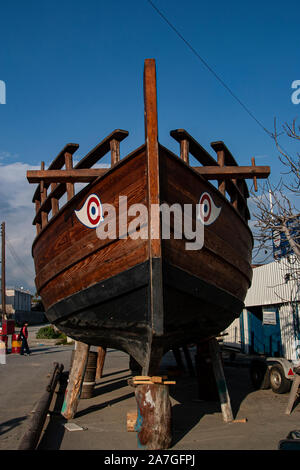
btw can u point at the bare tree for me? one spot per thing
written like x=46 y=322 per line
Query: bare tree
x=277 y=219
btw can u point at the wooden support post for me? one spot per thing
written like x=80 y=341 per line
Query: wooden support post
x=100 y=362
x=115 y=151
x=76 y=377
x=220 y=380
x=37 y=208
x=54 y=201
x=69 y=166
x=184 y=150
x=43 y=190
x=234 y=199
x=207 y=387
x=254 y=179
x=293 y=394
x=221 y=162
x=188 y=361
x=153 y=423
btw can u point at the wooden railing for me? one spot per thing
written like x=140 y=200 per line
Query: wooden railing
x=44 y=202
x=230 y=176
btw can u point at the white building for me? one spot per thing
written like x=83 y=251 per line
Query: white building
x=270 y=321
x=17 y=300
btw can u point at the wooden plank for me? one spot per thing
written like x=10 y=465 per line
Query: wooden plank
x=221 y=162
x=184 y=150
x=76 y=377
x=195 y=148
x=115 y=151
x=151 y=138
x=87 y=162
x=69 y=166
x=101 y=149
x=220 y=380
x=57 y=163
x=229 y=160
x=43 y=197
x=206 y=159
x=255 y=178
x=293 y=394
x=66 y=176
x=54 y=201
x=228 y=172
x=154 y=225
x=100 y=362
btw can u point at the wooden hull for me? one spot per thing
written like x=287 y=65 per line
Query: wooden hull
x=116 y=293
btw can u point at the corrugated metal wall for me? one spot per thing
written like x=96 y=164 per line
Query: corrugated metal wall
x=273 y=284
x=270 y=284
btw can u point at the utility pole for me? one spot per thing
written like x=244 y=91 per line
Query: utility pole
x=3 y=293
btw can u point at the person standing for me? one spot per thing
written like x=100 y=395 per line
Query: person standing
x=24 y=338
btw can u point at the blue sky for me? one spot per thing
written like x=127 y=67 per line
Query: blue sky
x=73 y=72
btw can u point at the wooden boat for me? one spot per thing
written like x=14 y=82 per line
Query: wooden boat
x=145 y=295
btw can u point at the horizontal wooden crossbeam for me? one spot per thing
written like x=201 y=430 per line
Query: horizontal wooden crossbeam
x=230 y=172
x=65 y=176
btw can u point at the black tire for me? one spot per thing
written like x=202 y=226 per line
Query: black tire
x=279 y=383
x=259 y=374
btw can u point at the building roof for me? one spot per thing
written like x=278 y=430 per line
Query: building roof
x=274 y=283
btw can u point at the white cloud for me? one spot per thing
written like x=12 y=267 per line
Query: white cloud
x=17 y=211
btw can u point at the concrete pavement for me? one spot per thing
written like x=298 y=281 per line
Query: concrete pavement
x=197 y=425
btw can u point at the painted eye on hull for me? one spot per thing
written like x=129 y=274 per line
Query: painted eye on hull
x=208 y=212
x=91 y=213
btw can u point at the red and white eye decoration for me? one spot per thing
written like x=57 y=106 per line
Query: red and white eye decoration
x=91 y=213
x=208 y=212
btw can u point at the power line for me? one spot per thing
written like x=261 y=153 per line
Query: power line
x=17 y=259
x=209 y=68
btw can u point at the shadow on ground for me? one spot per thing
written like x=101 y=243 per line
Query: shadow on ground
x=11 y=424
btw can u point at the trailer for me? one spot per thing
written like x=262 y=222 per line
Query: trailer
x=276 y=373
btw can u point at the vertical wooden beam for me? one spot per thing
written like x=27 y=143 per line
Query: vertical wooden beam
x=69 y=166
x=234 y=199
x=54 y=201
x=254 y=179
x=37 y=208
x=115 y=151
x=220 y=380
x=76 y=377
x=43 y=190
x=184 y=150
x=221 y=162
x=154 y=423
x=293 y=394
x=100 y=362
x=154 y=227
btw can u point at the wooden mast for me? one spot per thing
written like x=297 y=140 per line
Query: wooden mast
x=152 y=155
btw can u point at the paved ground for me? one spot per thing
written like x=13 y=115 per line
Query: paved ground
x=197 y=425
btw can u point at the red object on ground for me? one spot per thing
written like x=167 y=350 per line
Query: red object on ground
x=15 y=344
x=8 y=327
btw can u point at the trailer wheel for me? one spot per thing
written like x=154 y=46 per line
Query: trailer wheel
x=259 y=374
x=279 y=383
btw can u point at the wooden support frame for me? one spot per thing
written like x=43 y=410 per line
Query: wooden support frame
x=76 y=377
x=100 y=362
x=220 y=380
x=70 y=177
x=294 y=393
